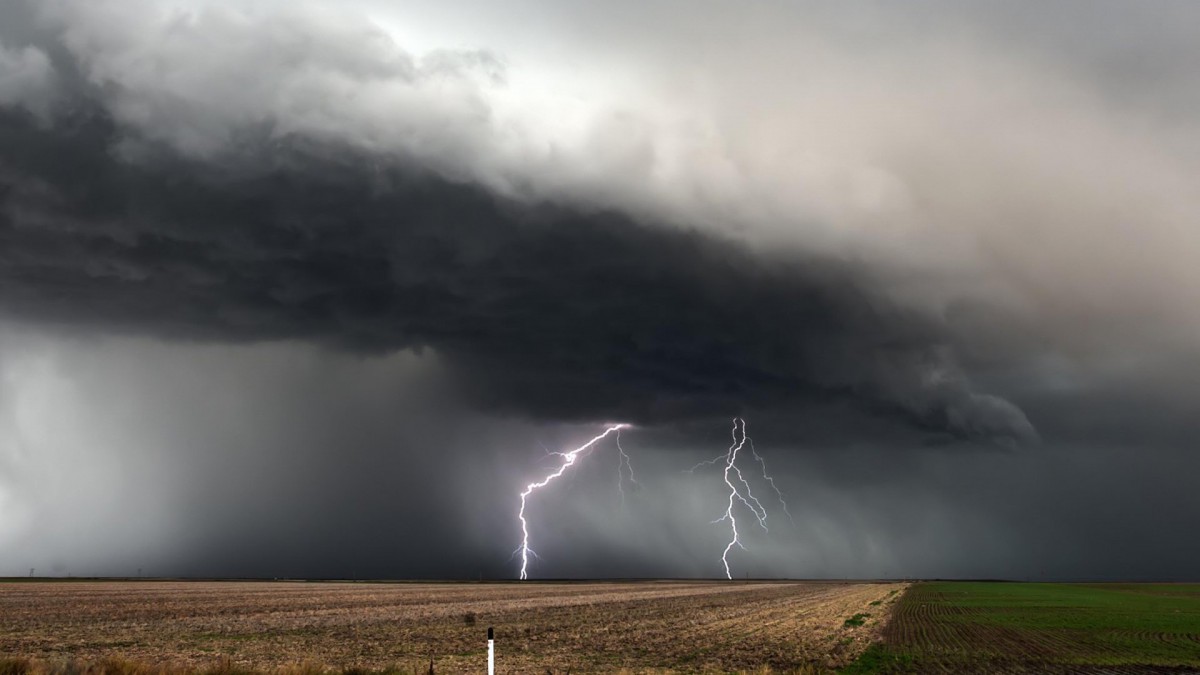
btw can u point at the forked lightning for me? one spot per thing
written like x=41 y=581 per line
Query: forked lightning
x=623 y=463
x=739 y=489
x=568 y=461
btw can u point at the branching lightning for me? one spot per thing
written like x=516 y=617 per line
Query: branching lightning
x=768 y=477
x=623 y=463
x=739 y=488
x=707 y=462
x=568 y=461
x=735 y=480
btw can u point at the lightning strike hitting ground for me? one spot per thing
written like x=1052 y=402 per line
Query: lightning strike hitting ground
x=568 y=460
x=730 y=458
x=748 y=498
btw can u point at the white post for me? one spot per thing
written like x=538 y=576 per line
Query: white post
x=491 y=653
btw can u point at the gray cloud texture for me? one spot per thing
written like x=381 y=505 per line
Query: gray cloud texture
x=931 y=231
x=198 y=204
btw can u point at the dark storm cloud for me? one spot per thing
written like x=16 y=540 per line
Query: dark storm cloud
x=287 y=460
x=253 y=258
x=543 y=310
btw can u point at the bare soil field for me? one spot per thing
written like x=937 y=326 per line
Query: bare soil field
x=540 y=627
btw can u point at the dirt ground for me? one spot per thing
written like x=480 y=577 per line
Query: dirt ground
x=540 y=627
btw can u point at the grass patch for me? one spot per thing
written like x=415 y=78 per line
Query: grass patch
x=856 y=620
x=877 y=659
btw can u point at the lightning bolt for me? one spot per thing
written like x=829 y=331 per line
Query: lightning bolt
x=730 y=458
x=568 y=461
x=707 y=462
x=739 y=488
x=769 y=479
x=622 y=464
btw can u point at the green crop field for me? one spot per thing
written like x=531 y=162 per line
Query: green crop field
x=1026 y=627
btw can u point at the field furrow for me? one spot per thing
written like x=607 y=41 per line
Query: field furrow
x=969 y=627
x=584 y=627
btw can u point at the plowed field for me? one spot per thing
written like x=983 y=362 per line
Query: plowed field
x=1042 y=628
x=586 y=627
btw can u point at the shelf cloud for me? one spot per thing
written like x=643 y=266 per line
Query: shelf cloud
x=943 y=228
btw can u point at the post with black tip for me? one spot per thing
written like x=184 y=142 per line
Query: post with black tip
x=491 y=652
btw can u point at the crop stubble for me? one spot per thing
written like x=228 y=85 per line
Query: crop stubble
x=584 y=626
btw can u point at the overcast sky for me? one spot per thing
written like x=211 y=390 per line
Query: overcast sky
x=315 y=289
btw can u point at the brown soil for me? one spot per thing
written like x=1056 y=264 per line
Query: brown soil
x=587 y=627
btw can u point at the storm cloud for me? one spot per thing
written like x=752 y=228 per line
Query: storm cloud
x=162 y=222
x=937 y=233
